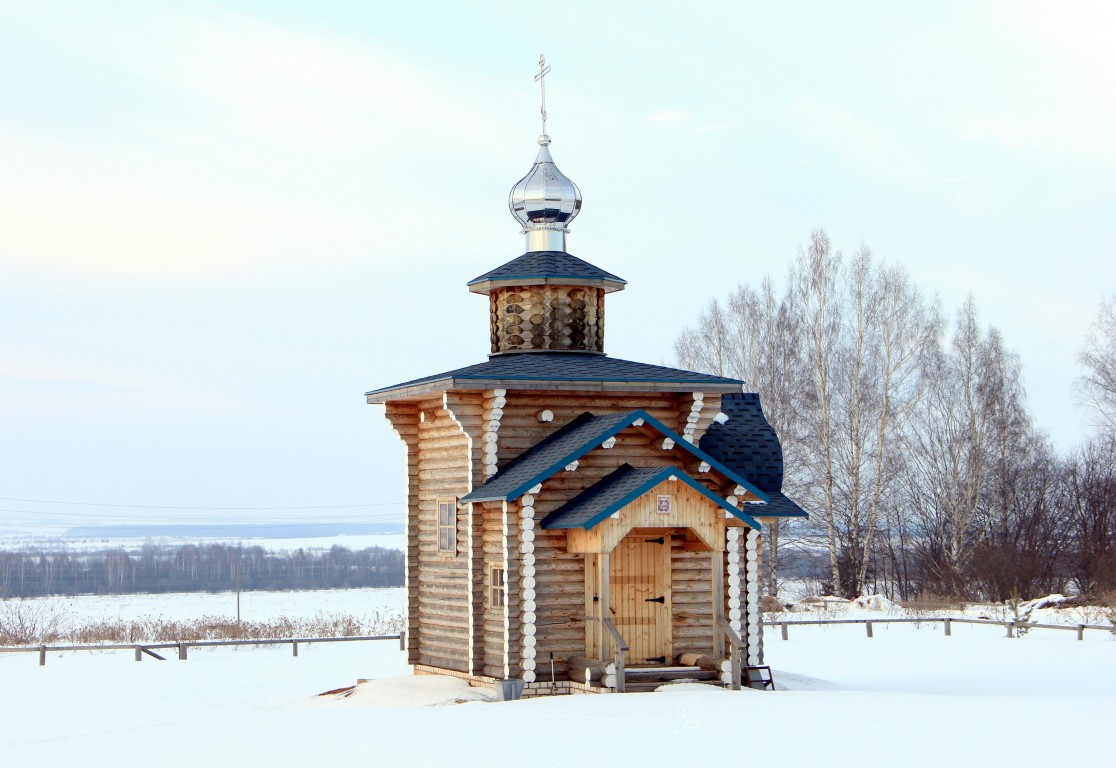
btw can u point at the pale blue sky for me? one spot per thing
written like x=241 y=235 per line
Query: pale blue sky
x=221 y=223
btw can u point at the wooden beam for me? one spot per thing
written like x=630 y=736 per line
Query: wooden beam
x=717 y=567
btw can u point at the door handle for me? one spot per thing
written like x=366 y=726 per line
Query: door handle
x=661 y=599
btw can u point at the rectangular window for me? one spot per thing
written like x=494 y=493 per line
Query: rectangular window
x=496 y=587
x=447 y=527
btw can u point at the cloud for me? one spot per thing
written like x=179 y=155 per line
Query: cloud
x=712 y=127
x=696 y=123
x=246 y=144
x=670 y=117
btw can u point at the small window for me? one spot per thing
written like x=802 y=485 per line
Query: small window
x=447 y=527
x=496 y=587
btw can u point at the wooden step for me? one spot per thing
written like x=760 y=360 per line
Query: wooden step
x=669 y=674
x=654 y=670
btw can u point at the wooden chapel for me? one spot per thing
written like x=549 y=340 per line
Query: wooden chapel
x=578 y=522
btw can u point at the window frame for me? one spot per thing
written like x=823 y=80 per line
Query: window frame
x=495 y=588
x=451 y=526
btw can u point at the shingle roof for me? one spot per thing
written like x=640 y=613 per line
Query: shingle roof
x=573 y=441
x=550 y=455
x=547 y=264
x=593 y=505
x=747 y=443
x=566 y=366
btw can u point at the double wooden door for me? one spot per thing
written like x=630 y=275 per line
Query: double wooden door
x=639 y=596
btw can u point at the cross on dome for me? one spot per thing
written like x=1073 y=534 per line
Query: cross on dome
x=544 y=201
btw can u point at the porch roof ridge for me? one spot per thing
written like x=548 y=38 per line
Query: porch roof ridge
x=576 y=439
x=621 y=487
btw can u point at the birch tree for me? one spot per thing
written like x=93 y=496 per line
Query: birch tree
x=1098 y=383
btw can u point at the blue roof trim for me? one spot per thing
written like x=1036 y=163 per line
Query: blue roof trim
x=542 y=276
x=553 y=520
x=595 y=440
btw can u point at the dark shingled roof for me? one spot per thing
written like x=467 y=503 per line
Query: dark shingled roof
x=747 y=444
x=623 y=486
x=573 y=441
x=547 y=264
x=566 y=366
x=549 y=456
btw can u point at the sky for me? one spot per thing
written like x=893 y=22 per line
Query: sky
x=222 y=222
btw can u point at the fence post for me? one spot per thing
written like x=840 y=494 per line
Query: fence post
x=139 y=653
x=868 y=627
x=783 y=630
x=182 y=651
x=294 y=648
x=1080 y=631
x=42 y=655
x=1011 y=629
x=948 y=628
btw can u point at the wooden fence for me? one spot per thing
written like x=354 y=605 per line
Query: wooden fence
x=149 y=649
x=947 y=622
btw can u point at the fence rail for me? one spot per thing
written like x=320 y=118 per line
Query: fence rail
x=947 y=621
x=149 y=649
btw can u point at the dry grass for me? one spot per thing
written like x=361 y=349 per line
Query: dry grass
x=931 y=602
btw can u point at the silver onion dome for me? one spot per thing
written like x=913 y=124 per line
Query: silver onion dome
x=545 y=201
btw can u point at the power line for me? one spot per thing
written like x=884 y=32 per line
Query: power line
x=371 y=517
x=155 y=506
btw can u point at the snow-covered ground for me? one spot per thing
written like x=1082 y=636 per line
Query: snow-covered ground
x=909 y=696
x=254 y=606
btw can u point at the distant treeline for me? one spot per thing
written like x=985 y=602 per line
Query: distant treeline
x=194 y=568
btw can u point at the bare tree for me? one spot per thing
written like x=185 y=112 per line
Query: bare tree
x=1098 y=384
x=1091 y=507
x=916 y=458
x=812 y=298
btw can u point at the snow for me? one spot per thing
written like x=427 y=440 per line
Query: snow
x=254 y=606
x=874 y=603
x=415 y=691
x=909 y=696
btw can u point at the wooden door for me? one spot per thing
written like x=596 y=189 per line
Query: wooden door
x=639 y=596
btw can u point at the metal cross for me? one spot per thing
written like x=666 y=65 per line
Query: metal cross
x=540 y=78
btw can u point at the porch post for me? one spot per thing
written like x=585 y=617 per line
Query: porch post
x=717 y=566
x=605 y=588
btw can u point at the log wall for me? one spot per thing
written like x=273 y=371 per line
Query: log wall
x=455 y=442
x=441 y=583
x=546 y=317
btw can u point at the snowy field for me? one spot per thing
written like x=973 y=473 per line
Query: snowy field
x=909 y=696
x=254 y=606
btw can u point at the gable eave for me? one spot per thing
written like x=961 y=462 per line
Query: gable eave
x=589 y=445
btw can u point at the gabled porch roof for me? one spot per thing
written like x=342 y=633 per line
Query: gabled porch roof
x=611 y=494
x=576 y=439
